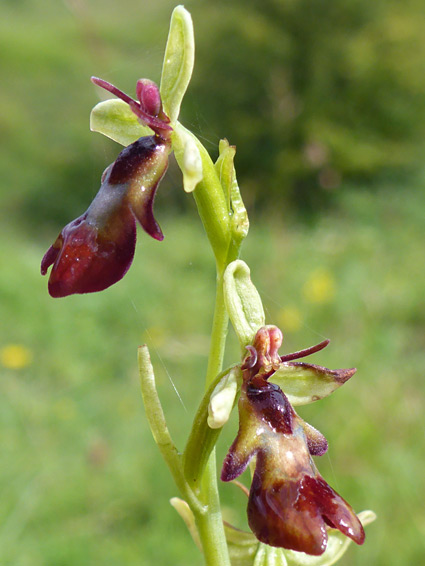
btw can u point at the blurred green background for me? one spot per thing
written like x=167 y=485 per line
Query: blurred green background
x=325 y=102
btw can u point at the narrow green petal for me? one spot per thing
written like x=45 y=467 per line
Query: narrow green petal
x=178 y=62
x=114 y=119
x=223 y=399
x=243 y=303
x=188 y=157
x=305 y=383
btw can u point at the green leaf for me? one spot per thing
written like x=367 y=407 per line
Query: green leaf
x=336 y=547
x=114 y=119
x=305 y=383
x=178 y=62
x=243 y=303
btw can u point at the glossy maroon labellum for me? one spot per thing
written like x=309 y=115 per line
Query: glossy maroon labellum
x=96 y=250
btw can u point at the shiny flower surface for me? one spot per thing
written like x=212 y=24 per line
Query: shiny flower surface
x=290 y=505
x=96 y=250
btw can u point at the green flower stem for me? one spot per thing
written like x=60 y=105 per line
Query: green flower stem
x=213 y=210
x=210 y=524
x=210 y=201
x=218 y=335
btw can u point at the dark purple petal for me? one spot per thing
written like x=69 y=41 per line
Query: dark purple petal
x=334 y=509
x=95 y=250
x=89 y=259
x=141 y=167
x=236 y=462
x=294 y=512
x=50 y=256
x=279 y=517
x=305 y=352
x=316 y=442
x=148 y=94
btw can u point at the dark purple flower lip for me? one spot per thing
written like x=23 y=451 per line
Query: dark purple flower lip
x=86 y=259
x=96 y=250
x=295 y=513
x=290 y=505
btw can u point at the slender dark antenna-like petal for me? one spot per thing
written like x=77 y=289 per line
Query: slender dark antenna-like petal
x=305 y=352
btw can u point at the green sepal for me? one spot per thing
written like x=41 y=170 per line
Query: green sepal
x=178 y=62
x=243 y=302
x=202 y=438
x=114 y=119
x=336 y=547
x=305 y=383
x=270 y=556
x=243 y=546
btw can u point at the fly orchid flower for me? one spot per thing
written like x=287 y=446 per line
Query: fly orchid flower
x=96 y=250
x=290 y=505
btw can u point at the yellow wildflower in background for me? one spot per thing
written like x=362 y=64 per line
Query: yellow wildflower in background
x=15 y=356
x=290 y=319
x=319 y=287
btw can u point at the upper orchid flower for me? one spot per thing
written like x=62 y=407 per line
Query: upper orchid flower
x=96 y=250
x=290 y=504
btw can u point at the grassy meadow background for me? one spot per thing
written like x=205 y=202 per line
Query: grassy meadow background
x=330 y=157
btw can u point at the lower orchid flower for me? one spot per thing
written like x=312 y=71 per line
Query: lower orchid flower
x=290 y=505
x=96 y=250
